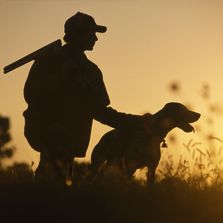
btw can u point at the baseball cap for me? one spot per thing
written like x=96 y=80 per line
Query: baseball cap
x=82 y=22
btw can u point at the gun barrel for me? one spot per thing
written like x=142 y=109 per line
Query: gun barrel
x=32 y=56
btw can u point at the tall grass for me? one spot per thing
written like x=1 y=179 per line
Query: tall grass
x=109 y=198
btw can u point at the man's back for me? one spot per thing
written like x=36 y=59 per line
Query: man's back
x=62 y=91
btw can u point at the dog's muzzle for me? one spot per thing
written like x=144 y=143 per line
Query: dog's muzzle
x=193 y=117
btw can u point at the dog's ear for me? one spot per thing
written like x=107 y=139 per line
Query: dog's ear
x=167 y=123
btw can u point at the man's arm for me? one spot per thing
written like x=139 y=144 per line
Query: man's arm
x=118 y=120
x=103 y=113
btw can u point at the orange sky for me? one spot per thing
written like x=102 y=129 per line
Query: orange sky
x=149 y=43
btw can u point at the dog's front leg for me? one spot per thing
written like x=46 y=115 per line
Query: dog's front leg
x=151 y=176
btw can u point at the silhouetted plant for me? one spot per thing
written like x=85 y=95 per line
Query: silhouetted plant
x=16 y=171
x=6 y=150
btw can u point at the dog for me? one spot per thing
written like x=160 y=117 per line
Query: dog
x=130 y=150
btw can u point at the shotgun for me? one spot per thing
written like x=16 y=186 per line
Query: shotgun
x=55 y=45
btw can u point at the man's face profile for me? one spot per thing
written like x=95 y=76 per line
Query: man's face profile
x=89 y=39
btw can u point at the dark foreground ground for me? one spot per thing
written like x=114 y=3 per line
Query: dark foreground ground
x=107 y=199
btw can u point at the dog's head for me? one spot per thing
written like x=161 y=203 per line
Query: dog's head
x=178 y=115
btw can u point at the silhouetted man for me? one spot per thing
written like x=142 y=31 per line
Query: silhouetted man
x=65 y=92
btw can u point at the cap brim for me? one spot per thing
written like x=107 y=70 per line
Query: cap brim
x=101 y=29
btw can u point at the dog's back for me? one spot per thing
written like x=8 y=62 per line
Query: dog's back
x=112 y=149
x=108 y=148
x=116 y=145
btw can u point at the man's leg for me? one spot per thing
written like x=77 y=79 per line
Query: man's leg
x=54 y=168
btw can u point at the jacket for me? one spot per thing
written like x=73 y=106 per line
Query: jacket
x=64 y=93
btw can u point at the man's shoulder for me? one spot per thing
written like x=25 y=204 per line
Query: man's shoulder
x=48 y=59
x=91 y=63
x=92 y=68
